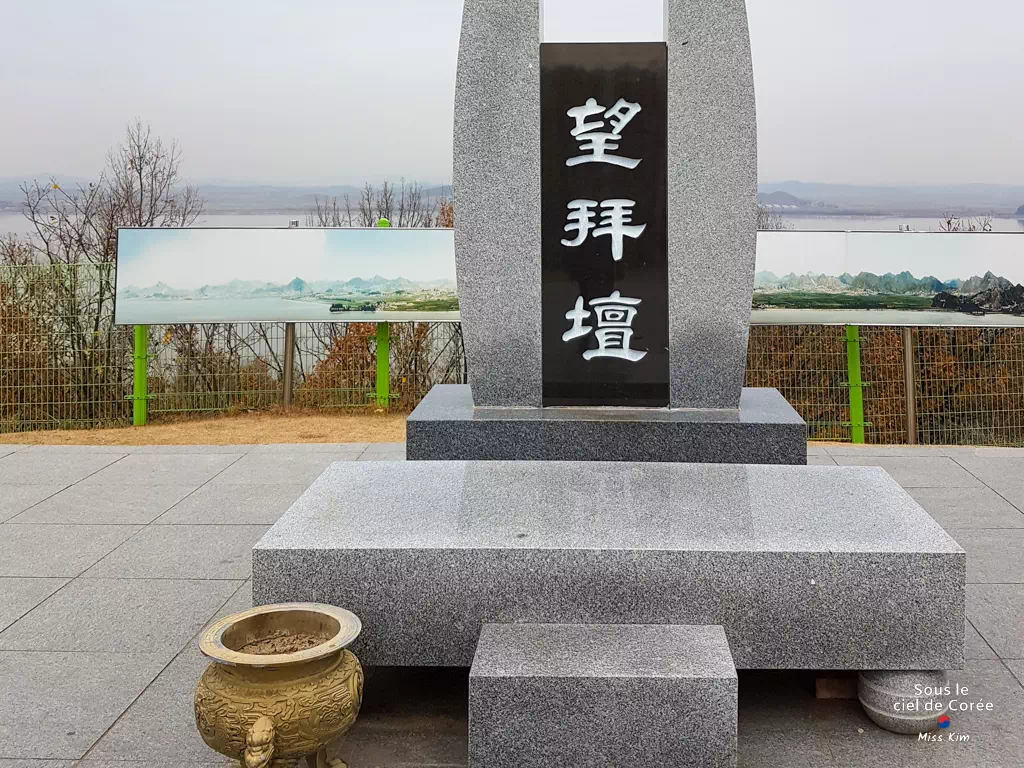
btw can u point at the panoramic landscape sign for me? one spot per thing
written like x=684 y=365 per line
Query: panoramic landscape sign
x=912 y=278
x=200 y=275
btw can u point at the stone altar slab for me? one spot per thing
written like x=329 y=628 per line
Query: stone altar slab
x=593 y=696
x=711 y=192
x=805 y=567
x=764 y=430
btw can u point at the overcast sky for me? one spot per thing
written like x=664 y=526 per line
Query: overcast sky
x=342 y=91
x=190 y=258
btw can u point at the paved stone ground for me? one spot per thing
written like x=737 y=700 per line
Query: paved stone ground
x=113 y=559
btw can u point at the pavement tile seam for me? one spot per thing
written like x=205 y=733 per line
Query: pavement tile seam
x=89 y=525
x=183 y=649
x=141 y=529
x=994 y=490
x=130 y=705
x=983 y=639
x=84 y=580
x=157 y=578
x=1013 y=675
x=65 y=487
x=41 y=602
x=194 y=490
x=885 y=451
x=26 y=509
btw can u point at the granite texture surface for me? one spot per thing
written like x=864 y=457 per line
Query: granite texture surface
x=599 y=695
x=805 y=567
x=496 y=188
x=764 y=430
x=712 y=188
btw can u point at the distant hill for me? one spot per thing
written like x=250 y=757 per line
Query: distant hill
x=907 y=200
x=236 y=198
x=924 y=200
x=902 y=283
x=10 y=186
x=780 y=198
x=866 y=282
x=296 y=288
x=978 y=295
x=987 y=283
x=1008 y=299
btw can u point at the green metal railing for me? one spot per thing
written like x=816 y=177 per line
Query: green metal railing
x=140 y=375
x=855 y=384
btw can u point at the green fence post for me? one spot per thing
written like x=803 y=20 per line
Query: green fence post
x=383 y=364
x=140 y=377
x=856 y=385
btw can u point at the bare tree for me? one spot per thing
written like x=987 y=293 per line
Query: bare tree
x=327 y=213
x=145 y=182
x=367 y=202
x=446 y=212
x=385 y=203
x=77 y=228
x=15 y=252
x=953 y=223
x=769 y=219
x=404 y=205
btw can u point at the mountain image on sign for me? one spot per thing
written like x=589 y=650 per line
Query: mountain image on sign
x=284 y=275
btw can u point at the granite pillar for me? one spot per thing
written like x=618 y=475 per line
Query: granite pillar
x=496 y=188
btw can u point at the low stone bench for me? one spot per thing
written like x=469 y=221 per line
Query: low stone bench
x=805 y=567
x=544 y=695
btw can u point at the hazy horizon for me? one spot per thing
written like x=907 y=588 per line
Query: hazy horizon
x=917 y=92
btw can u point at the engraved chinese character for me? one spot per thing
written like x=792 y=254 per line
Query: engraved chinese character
x=581 y=219
x=596 y=144
x=614 y=332
x=616 y=218
x=577 y=315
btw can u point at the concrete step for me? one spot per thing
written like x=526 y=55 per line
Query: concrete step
x=593 y=696
x=763 y=430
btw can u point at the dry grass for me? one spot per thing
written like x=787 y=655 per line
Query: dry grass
x=236 y=429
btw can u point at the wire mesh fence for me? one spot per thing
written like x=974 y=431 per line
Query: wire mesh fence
x=969 y=385
x=807 y=364
x=216 y=367
x=885 y=403
x=64 y=364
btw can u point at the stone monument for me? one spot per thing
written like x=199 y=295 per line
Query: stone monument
x=605 y=240
x=607 y=468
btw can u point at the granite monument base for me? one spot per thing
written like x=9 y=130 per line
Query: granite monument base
x=805 y=567
x=592 y=696
x=763 y=430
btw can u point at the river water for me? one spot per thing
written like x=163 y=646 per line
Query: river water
x=884 y=224
x=15 y=222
